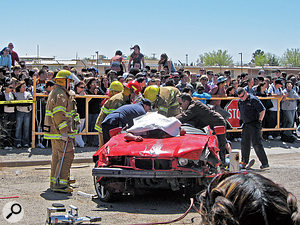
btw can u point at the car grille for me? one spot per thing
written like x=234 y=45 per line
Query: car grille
x=156 y=164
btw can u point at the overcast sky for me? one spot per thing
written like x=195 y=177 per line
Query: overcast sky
x=62 y=28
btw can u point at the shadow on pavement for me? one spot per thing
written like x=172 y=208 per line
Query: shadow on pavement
x=53 y=196
x=272 y=144
x=162 y=202
x=41 y=151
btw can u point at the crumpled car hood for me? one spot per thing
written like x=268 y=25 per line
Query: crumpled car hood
x=189 y=144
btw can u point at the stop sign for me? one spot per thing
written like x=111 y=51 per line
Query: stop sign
x=233 y=109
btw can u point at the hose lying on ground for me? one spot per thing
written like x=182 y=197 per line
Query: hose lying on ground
x=177 y=219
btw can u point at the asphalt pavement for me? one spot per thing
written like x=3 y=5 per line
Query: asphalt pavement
x=31 y=185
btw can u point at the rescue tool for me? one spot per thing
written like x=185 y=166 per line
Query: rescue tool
x=70 y=218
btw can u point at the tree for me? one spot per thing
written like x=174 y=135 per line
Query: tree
x=220 y=58
x=257 y=52
x=292 y=57
x=259 y=58
x=272 y=59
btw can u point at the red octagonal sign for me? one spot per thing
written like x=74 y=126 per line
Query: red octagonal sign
x=233 y=109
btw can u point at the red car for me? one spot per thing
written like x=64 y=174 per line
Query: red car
x=185 y=163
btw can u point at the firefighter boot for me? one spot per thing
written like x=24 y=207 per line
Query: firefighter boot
x=62 y=189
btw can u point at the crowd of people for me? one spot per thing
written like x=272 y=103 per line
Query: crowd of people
x=17 y=84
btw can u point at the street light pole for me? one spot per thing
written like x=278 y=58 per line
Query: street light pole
x=97 y=53
x=241 y=61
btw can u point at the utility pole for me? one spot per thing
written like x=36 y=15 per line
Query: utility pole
x=38 y=53
x=241 y=61
x=187 y=59
x=97 y=53
x=92 y=60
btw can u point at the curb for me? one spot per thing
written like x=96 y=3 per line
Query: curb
x=39 y=162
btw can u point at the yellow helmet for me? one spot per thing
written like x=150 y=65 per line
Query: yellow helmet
x=63 y=74
x=116 y=86
x=151 y=92
x=62 y=77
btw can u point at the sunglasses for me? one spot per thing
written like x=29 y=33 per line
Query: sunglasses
x=81 y=87
x=10 y=87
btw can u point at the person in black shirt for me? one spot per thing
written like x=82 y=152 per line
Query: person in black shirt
x=252 y=112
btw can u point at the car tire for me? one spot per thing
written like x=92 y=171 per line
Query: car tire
x=104 y=194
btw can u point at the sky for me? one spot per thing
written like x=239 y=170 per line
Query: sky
x=68 y=27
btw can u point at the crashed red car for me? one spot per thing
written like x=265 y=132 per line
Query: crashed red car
x=183 y=163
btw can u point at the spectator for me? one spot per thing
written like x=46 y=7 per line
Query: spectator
x=165 y=62
x=14 y=55
x=17 y=72
x=137 y=58
x=176 y=78
x=8 y=116
x=184 y=83
x=5 y=58
x=244 y=77
x=252 y=112
x=249 y=87
x=187 y=90
x=112 y=75
x=41 y=81
x=199 y=93
x=94 y=109
x=202 y=71
x=261 y=91
x=210 y=75
x=23 y=116
x=80 y=90
x=289 y=108
x=194 y=81
x=219 y=91
x=261 y=73
x=117 y=63
x=247 y=198
x=104 y=85
x=271 y=121
x=278 y=73
x=204 y=82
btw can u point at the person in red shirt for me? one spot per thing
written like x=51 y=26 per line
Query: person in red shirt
x=14 y=55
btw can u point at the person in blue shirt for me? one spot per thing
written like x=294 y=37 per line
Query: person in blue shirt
x=199 y=93
x=5 y=58
x=123 y=116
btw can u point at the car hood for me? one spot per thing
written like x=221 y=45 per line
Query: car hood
x=188 y=146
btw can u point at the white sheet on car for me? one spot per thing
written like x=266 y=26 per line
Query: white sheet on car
x=152 y=121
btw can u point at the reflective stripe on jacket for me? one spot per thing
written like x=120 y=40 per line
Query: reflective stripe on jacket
x=61 y=114
x=167 y=103
x=110 y=106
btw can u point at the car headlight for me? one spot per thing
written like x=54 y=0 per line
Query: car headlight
x=182 y=161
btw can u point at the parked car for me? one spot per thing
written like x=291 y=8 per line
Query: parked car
x=184 y=163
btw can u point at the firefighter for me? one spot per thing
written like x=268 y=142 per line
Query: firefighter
x=164 y=99
x=61 y=120
x=114 y=88
x=131 y=91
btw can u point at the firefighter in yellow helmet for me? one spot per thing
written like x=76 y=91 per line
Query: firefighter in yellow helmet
x=61 y=120
x=116 y=101
x=114 y=88
x=164 y=99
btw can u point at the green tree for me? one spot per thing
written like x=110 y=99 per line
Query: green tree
x=272 y=59
x=259 y=58
x=292 y=57
x=257 y=52
x=220 y=58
